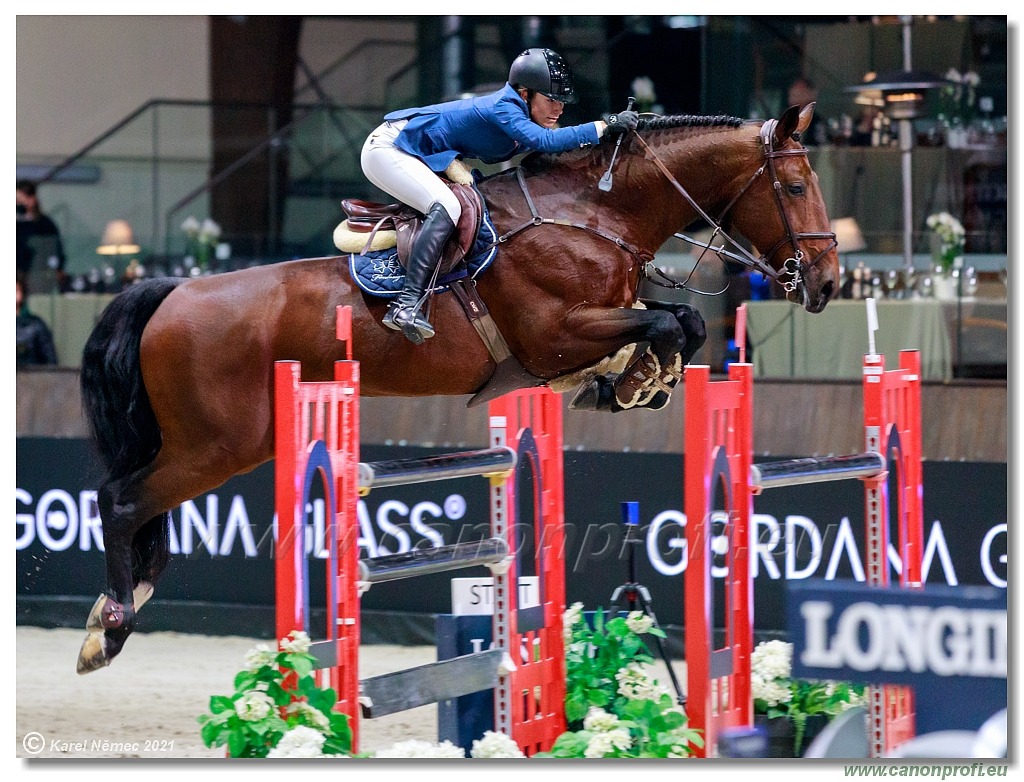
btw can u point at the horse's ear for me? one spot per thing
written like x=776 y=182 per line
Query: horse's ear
x=805 y=117
x=794 y=120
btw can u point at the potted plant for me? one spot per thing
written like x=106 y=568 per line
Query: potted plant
x=793 y=711
x=613 y=706
x=277 y=709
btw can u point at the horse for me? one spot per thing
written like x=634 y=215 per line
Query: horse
x=177 y=376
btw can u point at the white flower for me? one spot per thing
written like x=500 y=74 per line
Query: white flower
x=643 y=89
x=254 y=706
x=414 y=748
x=209 y=230
x=953 y=75
x=190 y=226
x=599 y=721
x=600 y=744
x=572 y=616
x=259 y=656
x=971 y=79
x=639 y=622
x=495 y=745
x=297 y=642
x=310 y=715
x=771 y=691
x=299 y=742
x=636 y=684
x=772 y=659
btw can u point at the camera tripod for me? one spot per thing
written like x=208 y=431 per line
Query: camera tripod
x=633 y=596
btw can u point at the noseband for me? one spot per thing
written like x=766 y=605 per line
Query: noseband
x=793 y=265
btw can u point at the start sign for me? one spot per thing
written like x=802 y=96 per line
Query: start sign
x=948 y=643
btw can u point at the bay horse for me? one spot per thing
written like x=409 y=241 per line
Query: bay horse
x=177 y=376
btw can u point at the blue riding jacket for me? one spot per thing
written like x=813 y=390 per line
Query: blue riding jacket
x=491 y=128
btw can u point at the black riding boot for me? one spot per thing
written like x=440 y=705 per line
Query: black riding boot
x=404 y=313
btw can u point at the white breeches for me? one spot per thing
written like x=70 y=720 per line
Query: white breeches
x=405 y=177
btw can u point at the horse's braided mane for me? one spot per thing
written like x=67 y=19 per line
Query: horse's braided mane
x=538 y=161
x=688 y=121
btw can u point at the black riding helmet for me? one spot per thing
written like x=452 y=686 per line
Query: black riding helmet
x=543 y=71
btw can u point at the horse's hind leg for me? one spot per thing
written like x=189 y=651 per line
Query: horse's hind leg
x=135 y=515
x=112 y=618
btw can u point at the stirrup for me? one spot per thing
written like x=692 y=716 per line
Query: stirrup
x=409 y=321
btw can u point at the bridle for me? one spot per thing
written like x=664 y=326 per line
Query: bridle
x=793 y=265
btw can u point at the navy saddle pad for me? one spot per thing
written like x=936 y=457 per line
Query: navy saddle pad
x=380 y=274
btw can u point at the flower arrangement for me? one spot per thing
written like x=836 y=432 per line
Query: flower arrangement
x=491 y=745
x=777 y=694
x=958 y=95
x=642 y=89
x=201 y=239
x=614 y=708
x=277 y=709
x=951 y=237
x=415 y=748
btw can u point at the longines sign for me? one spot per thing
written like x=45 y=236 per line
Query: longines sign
x=949 y=644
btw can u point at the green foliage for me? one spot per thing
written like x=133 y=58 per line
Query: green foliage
x=777 y=694
x=275 y=693
x=613 y=707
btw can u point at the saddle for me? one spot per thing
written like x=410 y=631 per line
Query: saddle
x=374 y=226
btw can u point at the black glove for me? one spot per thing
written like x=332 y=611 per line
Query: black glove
x=622 y=122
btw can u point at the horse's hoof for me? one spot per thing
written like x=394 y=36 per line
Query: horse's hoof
x=587 y=396
x=597 y=394
x=94 y=624
x=658 y=401
x=93 y=654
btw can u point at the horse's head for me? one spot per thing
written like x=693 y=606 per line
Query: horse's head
x=782 y=213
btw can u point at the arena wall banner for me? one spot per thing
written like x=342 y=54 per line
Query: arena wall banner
x=222 y=542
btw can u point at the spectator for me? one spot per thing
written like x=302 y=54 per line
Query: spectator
x=38 y=237
x=35 y=342
x=801 y=92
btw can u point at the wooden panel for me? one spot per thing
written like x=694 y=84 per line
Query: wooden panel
x=963 y=420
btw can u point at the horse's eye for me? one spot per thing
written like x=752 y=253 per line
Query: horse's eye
x=795 y=188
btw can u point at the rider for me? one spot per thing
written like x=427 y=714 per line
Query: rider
x=404 y=155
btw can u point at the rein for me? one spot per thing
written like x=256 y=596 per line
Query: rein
x=792 y=265
x=643 y=255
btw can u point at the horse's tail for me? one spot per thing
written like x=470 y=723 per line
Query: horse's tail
x=116 y=404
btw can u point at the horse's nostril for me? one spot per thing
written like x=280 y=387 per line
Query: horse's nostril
x=828 y=290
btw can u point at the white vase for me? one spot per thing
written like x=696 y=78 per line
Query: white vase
x=956 y=138
x=944 y=286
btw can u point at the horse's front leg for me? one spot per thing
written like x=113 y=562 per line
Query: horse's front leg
x=695 y=334
x=689 y=320
x=660 y=339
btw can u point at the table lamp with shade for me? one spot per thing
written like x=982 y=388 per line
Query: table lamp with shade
x=849 y=239
x=118 y=241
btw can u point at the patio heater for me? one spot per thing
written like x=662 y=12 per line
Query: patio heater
x=901 y=94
